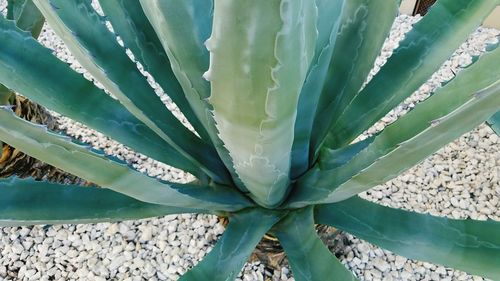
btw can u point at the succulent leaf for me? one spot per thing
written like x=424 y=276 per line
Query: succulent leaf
x=53 y=84
x=29 y=202
x=312 y=88
x=78 y=24
x=132 y=25
x=60 y=152
x=27 y=16
x=5 y=95
x=260 y=52
x=468 y=245
x=225 y=260
x=364 y=27
x=425 y=48
x=183 y=27
x=309 y=258
x=436 y=121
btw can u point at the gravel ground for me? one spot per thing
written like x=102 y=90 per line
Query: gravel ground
x=461 y=180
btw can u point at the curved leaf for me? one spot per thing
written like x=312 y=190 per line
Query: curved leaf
x=425 y=48
x=260 y=52
x=27 y=16
x=233 y=249
x=29 y=202
x=133 y=27
x=433 y=123
x=97 y=49
x=5 y=95
x=183 y=27
x=309 y=257
x=309 y=190
x=469 y=245
x=328 y=22
x=365 y=26
x=43 y=78
x=416 y=149
x=58 y=151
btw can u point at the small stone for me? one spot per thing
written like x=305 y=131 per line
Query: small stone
x=405 y=275
x=440 y=270
x=147 y=234
x=24 y=231
x=381 y=265
x=116 y=262
x=112 y=229
x=400 y=262
x=29 y=273
x=486 y=211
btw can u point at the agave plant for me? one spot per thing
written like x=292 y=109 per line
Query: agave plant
x=275 y=92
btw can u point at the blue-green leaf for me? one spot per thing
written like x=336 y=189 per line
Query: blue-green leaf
x=328 y=22
x=308 y=191
x=5 y=95
x=27 y=16
x=425 y=48
x=260 y=52
x=97 y=49
x=468 y=245
x=132 y=25
x=233 y=249
x=183 y=27
x=29 y=202
x=94 y=167
x=44 y=79
x=363 y=30
x=309 y=257
x=452 y=110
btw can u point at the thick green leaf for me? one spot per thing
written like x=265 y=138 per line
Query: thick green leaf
x=58 y=151
x=43 y=78
x=260 y=52
x=29 y=202
x=309 y=257
x=425 y=48
x=308 y=190
x=433 y=123
x=27 y=16
x=468 y=245
x=364 y=28
x=334 y=158
x=133 y=27
x=494 y=123
x=233 y=249
x=416 y=149
x=183 y=27
x=328 y=22
x=15 y=8
x=97 y=49
x=5 y=95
